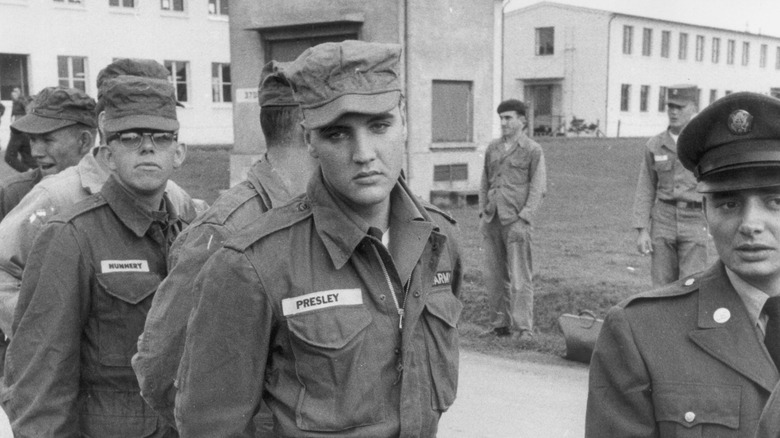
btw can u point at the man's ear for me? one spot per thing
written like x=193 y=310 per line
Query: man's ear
x=86 y=141
x=101 y=124
x=307 y=140
x=108 y=156
x=179 y=155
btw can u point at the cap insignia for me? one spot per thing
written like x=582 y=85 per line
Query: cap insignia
x=740 y=122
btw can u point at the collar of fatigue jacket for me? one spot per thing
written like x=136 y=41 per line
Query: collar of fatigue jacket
x=91 y=173
x=132 y=214
x=264 y=178
x=341 y=232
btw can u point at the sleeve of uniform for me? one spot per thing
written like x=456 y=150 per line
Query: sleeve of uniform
x=17 y=233
x=12 y=152
x=619 y=392
x=484 y=184
x=222 y=369
x=537 y=187
x=42 y=362
x=161 y=344
x=645 y=191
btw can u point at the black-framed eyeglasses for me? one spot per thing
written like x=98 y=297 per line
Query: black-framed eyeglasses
x=134 y=139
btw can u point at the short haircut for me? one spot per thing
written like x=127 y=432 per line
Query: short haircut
x=512 y=105
x=279 y=123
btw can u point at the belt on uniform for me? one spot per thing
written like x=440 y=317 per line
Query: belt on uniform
x=682 y=204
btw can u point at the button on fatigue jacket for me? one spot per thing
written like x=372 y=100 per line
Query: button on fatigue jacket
x=298 y=308
x=49 y=197
x=662 y=176
x=84 y=298
x=513 y=182
x=664 y=366
x=160 y=347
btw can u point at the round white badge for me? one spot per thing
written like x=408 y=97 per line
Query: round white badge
x=721 y=315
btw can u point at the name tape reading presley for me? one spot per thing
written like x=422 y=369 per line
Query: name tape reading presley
x=321 y=300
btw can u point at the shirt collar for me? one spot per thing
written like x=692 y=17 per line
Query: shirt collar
x=91 y=173
x=262 y=174
x=132 y=214
x=342 y=231
x=753 y=298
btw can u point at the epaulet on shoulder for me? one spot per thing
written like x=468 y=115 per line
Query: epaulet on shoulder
x=676 y=289
x=85 y=205
x=434 y=209
x=270 y=222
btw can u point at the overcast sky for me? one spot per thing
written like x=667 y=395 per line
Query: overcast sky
x=755 y=16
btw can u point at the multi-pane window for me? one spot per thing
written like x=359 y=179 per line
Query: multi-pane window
x=699 y=48
x=545 y=40
x=644 y=93
x=451 y=172
x=683 y=50
x=178 y=75
x=661 y=99
x=452 y=110
x=72 y=72
x=762 y=56
x=745 y=53
x=628 y=39
x=220 y=82
x=122 y=3
x=666 y=36
x=172 y=5
x=731 y=47
x=777 y=58
x=713 y=95
x=647 y=41
x=218 y=7
x=625 y=97
x=715 y=50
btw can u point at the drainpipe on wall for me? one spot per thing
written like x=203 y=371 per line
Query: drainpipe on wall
x=606 y=99
x=405 y=21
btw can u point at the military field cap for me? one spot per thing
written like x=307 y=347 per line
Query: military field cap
x=734 y=143
x=274 y=89
x=134 y=102
x=682 y=94
x=333 y=79
x=55 y=108
x=147 y=68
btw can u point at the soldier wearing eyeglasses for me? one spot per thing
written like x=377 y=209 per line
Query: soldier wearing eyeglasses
x=90 y=279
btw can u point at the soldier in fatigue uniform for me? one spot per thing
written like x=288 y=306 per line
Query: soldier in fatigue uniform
x=272 y=181
x=340 y=308
x=700 y=356
x=62 y=127
x=90 y=279
x=667 y=207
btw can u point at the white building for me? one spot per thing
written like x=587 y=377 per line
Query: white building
x=67 y=42
x=611 y=69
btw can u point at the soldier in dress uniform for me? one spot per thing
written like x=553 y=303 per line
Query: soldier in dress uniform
x=700 y=356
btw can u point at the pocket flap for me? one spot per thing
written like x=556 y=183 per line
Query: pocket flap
x=445 y=306
x=694 y=404
x=330 y=328
x=130 y=287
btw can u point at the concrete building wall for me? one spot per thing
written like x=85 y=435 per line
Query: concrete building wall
x=444 y=40
x=655 y=71
x=589 y=64
x=578 y=66
x=44 y=30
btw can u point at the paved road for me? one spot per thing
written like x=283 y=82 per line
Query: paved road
x=533 y=396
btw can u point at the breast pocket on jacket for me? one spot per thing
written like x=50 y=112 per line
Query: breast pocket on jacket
x=442 y=312
x=686 y=410
x=120 y=311
x=334 y=366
